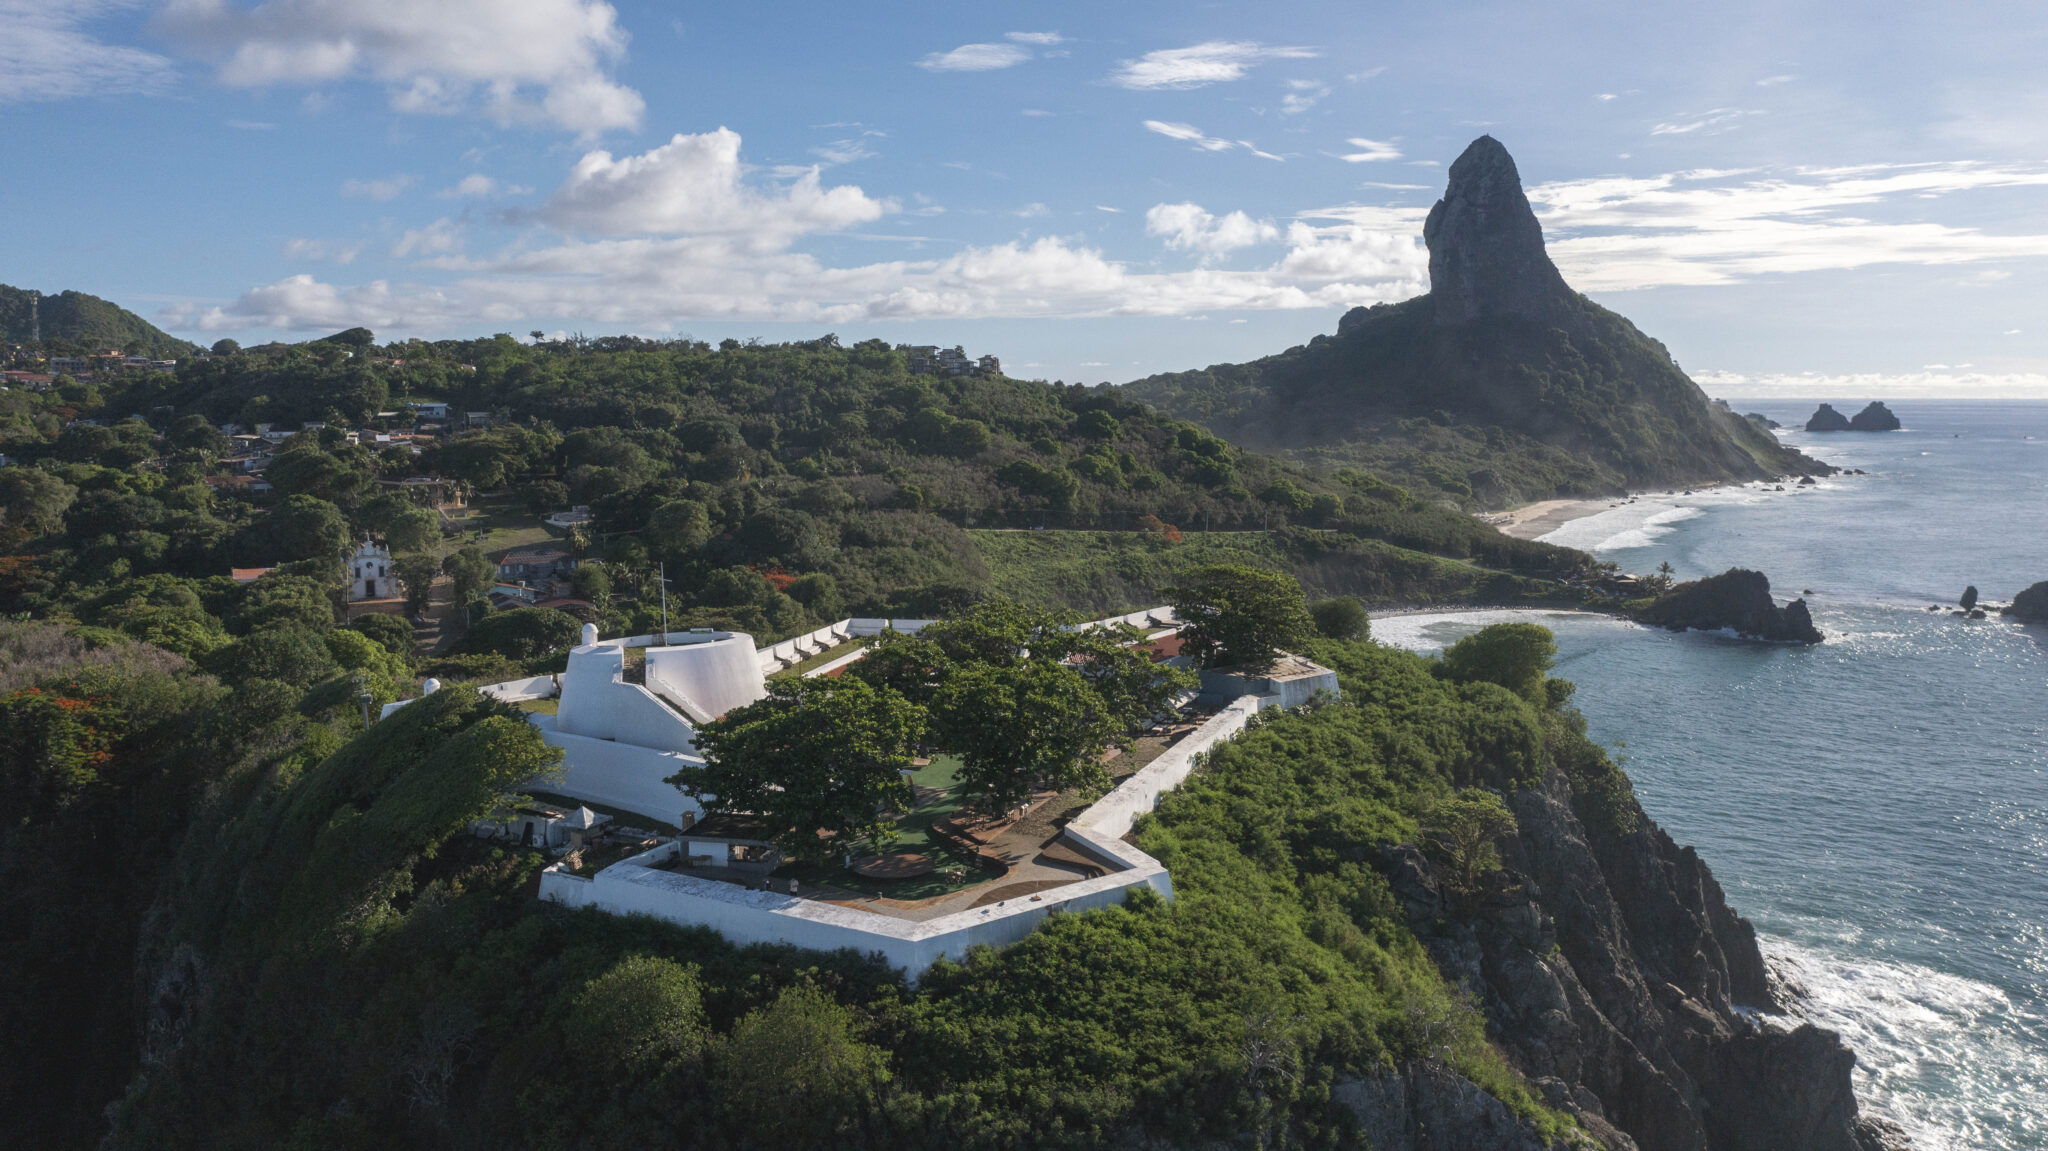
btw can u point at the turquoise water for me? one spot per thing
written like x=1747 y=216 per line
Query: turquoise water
x=1877 y=805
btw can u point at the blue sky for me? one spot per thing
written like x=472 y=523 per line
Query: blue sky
x=1796 y=198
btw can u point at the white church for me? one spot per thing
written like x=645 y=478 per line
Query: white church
x=370 y=575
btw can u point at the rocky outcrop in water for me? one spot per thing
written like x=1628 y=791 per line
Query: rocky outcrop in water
x=2030 y=606
x=1486 y=257
x=1873 y=418
x=1737 y=599
x=1611 y=970
x=1826 y=419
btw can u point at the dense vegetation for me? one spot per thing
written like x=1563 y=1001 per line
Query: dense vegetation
x=331 y=961
x=77 y=323
x=1490 y=414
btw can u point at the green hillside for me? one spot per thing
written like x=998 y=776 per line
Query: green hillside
x=86 y=322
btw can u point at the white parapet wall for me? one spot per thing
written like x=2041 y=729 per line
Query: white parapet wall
x=598 y=703
x=621 y=775
x=636 y=887
x=707 y=679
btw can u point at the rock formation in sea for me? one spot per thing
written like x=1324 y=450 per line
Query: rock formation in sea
x=1826 y=419
x=1618 y=980
x=1736 y=599
x=1969 y=599
x=2030 y=606
x=1874 y=418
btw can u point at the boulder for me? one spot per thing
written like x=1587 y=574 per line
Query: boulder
x=1826 y=419
x=1738 y=600
x=2031 y=605
x=1969 y=599
x=1875 y=418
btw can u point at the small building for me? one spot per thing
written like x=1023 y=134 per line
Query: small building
x=369 y=574
x=430 y=411
x=535 y=563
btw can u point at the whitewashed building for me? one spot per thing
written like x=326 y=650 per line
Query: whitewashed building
x=370 y=575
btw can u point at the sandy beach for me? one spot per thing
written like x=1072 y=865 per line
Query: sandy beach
x=1532 y=520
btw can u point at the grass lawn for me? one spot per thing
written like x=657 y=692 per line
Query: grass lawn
x=822 y=658
x=539 y=706
x=501 y=525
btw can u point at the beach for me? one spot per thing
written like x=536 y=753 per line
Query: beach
x=1538 y=519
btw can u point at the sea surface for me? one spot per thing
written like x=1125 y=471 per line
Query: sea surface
x=1876 y=805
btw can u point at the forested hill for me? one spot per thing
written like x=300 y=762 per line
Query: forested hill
x=819 y=458
x=1499 y=386
x=86 y=322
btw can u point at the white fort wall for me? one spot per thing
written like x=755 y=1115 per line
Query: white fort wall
x=635 y=887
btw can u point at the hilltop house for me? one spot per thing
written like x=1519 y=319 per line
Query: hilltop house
x=536 y=564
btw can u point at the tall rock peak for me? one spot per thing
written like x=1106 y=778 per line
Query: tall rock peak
x=1486 y=256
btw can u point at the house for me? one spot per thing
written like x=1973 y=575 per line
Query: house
x=477 y=419
x=535 y=563
x=931 y=360
x=430 y=411
x=369 y=574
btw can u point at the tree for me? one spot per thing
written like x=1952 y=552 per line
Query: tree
x=416 y=574
x=32 y=503
x=592 y=581
x=471 y=571
x=793 y=1074
x=1463 y=827
x=305 y=527
x=522 y=633
x=814 y=755
x=678 y=529
x=1341 y=618
x=339 y=477
x=1238 y=615
x=643 y=1014
x=404 y=525
x=225 y=347
x=1517 y=656
x=1019 y=726
x=288 y=654
x=1665 y=573
x=390 y=632
x=281 y=599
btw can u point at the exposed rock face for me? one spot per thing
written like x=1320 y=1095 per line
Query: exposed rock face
x=1426 y=1106
x=2031 y=605
x=1875 y=418
x=1826 y=419
x=1610 y=967
x=1736 y=599
x=1486 y=256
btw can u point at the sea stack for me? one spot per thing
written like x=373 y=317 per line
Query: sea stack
x=1486 y=256
x=1875 y=418
x=1827 y=419
x=1738 y=600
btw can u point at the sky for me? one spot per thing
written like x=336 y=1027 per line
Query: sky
x=1798 y=199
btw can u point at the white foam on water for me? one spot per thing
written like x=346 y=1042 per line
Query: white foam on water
x=1643 y=522
x=1427 y=632
x=1955 y=1062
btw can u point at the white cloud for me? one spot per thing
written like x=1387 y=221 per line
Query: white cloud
x=1203 y=143
x=1712 y=122
x=1301 y=96
x=383 y=190
x=1955 y=384
x=334 y=251
x=1187 y=226
x=443 y=237
x=1034 y=210
x=847 y=151
x=46 y=53
x=518 y=61
x=1709 y=227
x=1106 y=208
x=694 y=185
x=1213 y=62
x=252 y=125
x=1046 y=39
x=1605 y=96
x=1369 y=150
x=976 y=58
x=1774 y=81
x=472 y=185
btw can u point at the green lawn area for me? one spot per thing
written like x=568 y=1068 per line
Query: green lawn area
x=822 y=658
x=503 y=526
x=539 y=706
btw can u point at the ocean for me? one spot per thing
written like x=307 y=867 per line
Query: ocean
x=1876 y=805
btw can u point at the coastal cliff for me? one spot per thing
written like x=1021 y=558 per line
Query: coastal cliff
x=1614 y=973
x=1737 y=600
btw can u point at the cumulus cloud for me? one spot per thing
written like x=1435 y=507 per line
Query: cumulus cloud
x=1188 y=227
x=1174 y=130
x=382 y=191
x=1723 y=227
x=48 y=53
x=1045 y=39
x=695 y=185
x=323 y=251
x=443 y=237
x=976 y=58
x=530 y=61
x=1212 y=62
x=1369 y=150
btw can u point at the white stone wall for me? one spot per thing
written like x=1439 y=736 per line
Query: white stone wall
x=598 y=703
x=618 y=775
x=707 y=679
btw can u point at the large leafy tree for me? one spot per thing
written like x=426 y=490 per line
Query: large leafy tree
x=1018 y=727
x=813 y=755
x=1517 y=656
x=1238 y=615
x=416 y=574
x=303 y=527
x=471 y=571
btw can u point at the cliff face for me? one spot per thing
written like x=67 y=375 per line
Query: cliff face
x=1611 y=968
x=1486 y=256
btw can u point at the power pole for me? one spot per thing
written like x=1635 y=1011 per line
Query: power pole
x=662 y=578
x=35 y=315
